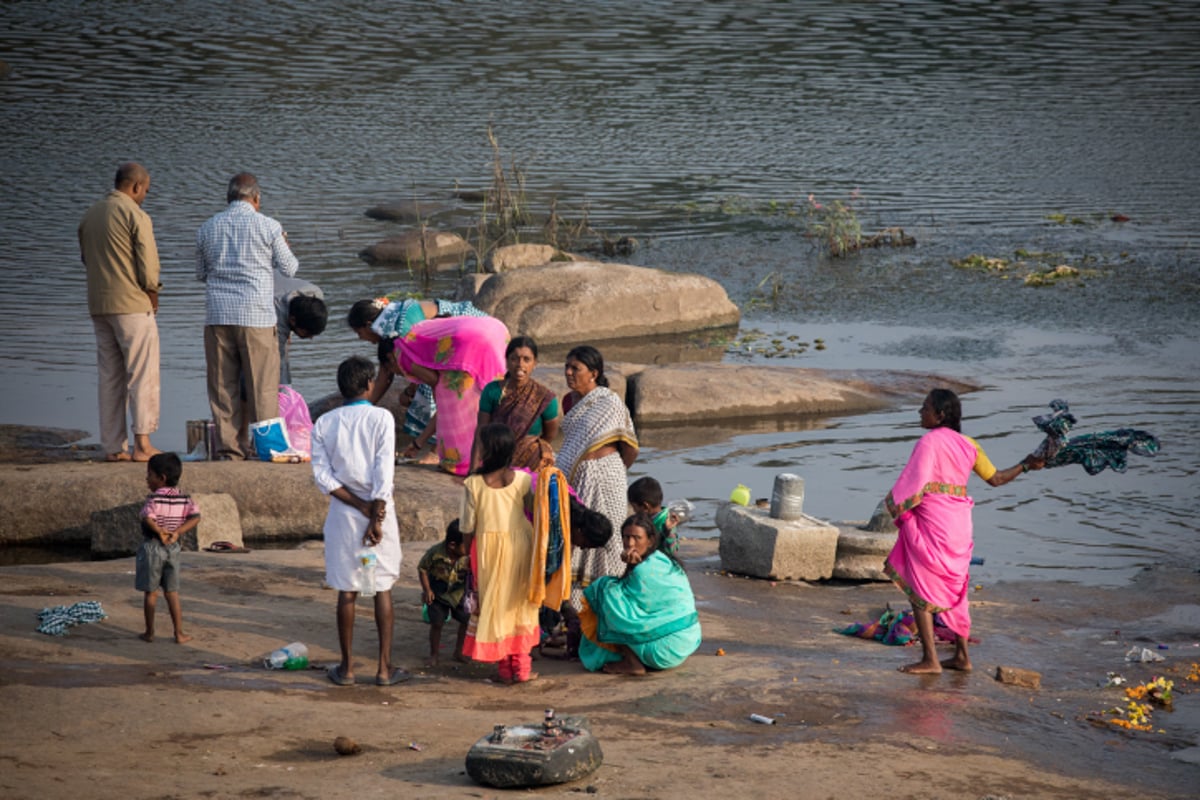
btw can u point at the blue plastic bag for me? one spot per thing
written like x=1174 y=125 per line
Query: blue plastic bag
x=270 y=439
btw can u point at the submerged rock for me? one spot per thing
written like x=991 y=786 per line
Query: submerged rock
x=415 y=247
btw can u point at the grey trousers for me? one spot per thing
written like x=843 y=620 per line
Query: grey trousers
x=234 y=352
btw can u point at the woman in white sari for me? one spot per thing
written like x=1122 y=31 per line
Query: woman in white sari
x=599 y=444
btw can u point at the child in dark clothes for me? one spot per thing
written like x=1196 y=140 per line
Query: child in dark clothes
x=442 y=572
x=589 y=529
x=646 y=497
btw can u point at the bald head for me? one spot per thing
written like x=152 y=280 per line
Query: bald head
x=243 y=186
x=132 y=179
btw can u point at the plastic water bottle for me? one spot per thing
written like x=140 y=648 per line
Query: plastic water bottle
x=367 y=561
x=294 y=656
x=681 y=510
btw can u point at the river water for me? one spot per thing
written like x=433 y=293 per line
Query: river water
x=969 y=125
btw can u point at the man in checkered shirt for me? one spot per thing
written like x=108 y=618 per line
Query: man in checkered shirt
x=238 y=253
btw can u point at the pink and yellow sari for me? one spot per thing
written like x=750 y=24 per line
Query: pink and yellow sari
x=467 y=353
x=931 y=508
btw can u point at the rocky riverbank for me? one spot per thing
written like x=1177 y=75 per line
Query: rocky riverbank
x=100 y=714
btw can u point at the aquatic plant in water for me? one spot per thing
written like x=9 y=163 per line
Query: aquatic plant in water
x=1034 y=269
x=835 y=227
x=756 y=343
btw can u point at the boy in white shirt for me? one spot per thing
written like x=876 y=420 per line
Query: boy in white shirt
x=353 y=460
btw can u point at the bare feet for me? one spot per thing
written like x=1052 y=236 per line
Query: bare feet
x=460 y=658
x=181 y=638
x=429 y=459
x=114 y=457
x=142 y=449
x=624 y=668
x=957 y=663
x=922 y=668
x=146 y=637
x=431 y=662
x=533 y=676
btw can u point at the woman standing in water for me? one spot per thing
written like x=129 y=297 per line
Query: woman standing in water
x=929 y=503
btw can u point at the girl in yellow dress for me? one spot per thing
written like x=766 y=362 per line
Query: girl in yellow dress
x=504 y=627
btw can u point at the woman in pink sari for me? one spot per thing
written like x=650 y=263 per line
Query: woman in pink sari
x=931 y=508
x=457 y=356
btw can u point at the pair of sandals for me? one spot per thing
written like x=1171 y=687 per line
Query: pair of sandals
x=339 y=678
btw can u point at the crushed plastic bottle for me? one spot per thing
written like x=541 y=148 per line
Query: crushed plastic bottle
x=294 y=656
x=367 y=561
x=1143 y=654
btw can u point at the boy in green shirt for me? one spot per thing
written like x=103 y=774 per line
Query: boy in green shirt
x=443 y=571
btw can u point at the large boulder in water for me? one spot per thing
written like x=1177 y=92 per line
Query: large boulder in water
x=590 y=301
x=415 y=247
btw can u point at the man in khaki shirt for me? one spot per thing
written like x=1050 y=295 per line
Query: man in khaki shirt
x=116 y=243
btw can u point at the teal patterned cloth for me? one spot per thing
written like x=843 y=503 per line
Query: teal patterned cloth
x=1094 y=451
x=55 y=620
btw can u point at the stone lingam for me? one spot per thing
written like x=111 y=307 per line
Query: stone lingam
x=784 y=543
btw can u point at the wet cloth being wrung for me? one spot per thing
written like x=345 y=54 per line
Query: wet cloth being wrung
x=1094 y=451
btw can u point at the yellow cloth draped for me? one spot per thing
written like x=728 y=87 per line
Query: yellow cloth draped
x=551 y=592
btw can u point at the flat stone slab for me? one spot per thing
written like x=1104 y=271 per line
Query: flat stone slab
x=274 y=501
x=752 y=543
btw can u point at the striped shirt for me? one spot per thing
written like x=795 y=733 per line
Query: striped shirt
x=169 y=508
x=238 y=252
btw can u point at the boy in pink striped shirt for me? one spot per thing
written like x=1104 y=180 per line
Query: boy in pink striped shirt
x=167 y=515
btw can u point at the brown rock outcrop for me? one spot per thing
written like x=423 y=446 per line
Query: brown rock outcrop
x=589 y=301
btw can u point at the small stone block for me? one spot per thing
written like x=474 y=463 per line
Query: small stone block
x=1015 y=676
x=219 y=522
x=753 y=543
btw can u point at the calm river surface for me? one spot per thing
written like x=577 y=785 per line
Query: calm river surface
x=968 y=125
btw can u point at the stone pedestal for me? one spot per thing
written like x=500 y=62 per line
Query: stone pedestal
x=753 y=543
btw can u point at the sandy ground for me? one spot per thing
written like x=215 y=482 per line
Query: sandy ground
x=101 y=714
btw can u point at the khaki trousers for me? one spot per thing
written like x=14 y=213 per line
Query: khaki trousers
x=234 y=352
x=127 y=368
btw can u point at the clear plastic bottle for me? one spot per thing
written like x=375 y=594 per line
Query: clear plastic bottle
x=293 y=656
x=367 y=561
x=681 y=510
